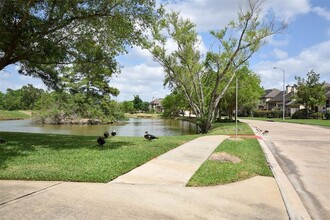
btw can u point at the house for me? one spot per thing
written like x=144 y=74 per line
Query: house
x=268 y=95
x=156 y=105
x=273 y=100
x=276 y=103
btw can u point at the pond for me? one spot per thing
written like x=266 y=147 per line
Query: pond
x=134 y=127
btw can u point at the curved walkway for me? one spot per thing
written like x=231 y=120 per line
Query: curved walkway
x=175 y=167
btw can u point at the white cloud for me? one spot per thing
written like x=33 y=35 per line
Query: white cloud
x=207 y=14
x=216 y=14
x=280 y=54
x=288 y=10
x=143 y=80
x=322 y=12
x=315 y=58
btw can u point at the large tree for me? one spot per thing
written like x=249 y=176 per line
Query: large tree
x=75 y=41
x=249 y=93
x=310 y=91
x=201 y=81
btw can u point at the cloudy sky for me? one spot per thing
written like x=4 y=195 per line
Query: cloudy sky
x=304 y=47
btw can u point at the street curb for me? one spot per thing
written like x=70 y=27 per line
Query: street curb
x=294 y=206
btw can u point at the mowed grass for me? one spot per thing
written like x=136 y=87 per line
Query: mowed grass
x=27 y=156
x=319 y=122
x=13 y=115
x=253 y=161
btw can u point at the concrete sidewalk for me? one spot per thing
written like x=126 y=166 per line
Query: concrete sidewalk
x=175 y=167
x=152 y=191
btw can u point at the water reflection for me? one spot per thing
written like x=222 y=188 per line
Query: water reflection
x=134 y=127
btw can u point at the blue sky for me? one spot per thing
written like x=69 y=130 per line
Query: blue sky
x=304 y=46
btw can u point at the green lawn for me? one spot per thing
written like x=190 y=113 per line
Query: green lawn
x=27 y=156
x=11 y=115
x=253 y=161
x=319 y=122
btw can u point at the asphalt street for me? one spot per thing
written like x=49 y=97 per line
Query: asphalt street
x=303 y=153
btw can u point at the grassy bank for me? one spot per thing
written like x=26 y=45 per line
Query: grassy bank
x=143 y=115
x=13 y=115
x=320 y=122
x=27 y=156
x=253 y=161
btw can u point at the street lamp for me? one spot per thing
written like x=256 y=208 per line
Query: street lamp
x=283 y=90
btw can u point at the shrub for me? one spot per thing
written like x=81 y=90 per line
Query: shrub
x=327 y=115
x=301 y=114
x=316 y=115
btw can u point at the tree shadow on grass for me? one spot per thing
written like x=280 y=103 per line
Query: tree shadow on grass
x=21 y=144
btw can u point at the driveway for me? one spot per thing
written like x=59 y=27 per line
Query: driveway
x=303 y=152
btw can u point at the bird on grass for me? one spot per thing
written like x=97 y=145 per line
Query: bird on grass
x=2 y=141
x=113 y=133
x=101 y=141
x=106 y=134
x=149 y=136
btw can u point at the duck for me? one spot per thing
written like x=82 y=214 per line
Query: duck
x=106 y=134
x=113 y=133
x=265 y=132
x=100 y=140
x=149 y=136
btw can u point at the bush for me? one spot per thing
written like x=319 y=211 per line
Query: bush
x=327 y=115
x=261 y=114
x=301 y=114
x=316 y=115
x=268 y=114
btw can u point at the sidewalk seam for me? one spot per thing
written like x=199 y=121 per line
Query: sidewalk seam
x=28 y=194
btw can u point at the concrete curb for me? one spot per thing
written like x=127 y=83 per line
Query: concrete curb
x=292 y=201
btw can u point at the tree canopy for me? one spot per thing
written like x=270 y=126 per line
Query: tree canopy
x=71 y=41
x=310 y=91
x=204 y=81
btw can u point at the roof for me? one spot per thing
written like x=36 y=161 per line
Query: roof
x=270 y=93
x=279 y=97
x=156 y=102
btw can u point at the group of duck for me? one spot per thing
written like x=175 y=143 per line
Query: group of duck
x=101 y=139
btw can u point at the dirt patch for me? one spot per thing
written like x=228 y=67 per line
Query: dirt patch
x=224 y=157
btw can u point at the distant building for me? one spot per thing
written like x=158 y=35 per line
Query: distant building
x=273 y=100
x=156 y=105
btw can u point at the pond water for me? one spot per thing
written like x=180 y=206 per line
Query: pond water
x=134 y=127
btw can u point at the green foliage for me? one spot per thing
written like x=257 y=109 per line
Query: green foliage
x=173 y=104
x=24 y=98
x=55 y=107
x=249 y=92
x=310 y=91
x=127 y=106
x=51 y=38
x=204 y=81
x=268 y=114
x=327 y=115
